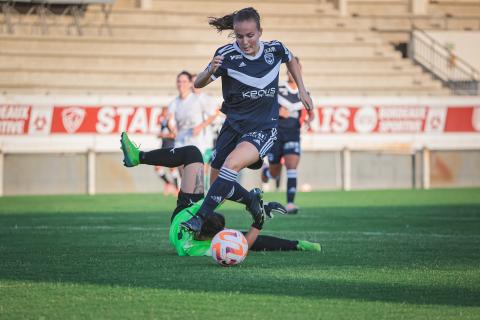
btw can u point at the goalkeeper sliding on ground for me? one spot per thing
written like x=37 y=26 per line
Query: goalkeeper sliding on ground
x=191 y=197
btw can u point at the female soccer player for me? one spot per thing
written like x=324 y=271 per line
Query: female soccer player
x=189 y=114
x=249 y=69
x=288 y=143
x=170 y=176
x=190 y=199
x=208 y=131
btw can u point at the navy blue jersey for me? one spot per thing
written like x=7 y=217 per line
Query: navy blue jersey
x=250 y=85
x=288 y=98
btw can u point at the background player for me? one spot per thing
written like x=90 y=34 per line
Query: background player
x=208 y=103
x=190 y=199
x=249 y=71
x=190 y=116
x=292 y=114
x=168 y=176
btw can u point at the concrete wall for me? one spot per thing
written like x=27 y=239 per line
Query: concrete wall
x=67 y=173
x=317 y=171
x=377 y=170
x=451 y=169
x=112 y=177
x=45 y=174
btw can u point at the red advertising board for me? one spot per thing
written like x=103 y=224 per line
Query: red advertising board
x=370 y=119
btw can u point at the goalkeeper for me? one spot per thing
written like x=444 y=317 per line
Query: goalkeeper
x=191 y=197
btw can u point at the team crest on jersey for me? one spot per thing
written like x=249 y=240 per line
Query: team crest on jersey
x=269 y=58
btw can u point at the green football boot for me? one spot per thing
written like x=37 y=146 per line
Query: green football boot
x=131 y=154
x=309 y=246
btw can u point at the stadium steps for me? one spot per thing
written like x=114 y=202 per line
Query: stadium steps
x=37 y=61
x=171 y=64
x=122 y=78
x=204 y=34
x=147 y=50
x=395 y=25
x=469 y=8
x=149 y=32
x=218 y=7
x=165 y=90
x=150 y=19
x=383 y=7
x=183 y=48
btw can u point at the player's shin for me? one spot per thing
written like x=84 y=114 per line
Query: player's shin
x=217 y=193
x=291 y=185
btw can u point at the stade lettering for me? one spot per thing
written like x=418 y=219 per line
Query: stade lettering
x=130 y=119
x=366 y=119
x=106 y=121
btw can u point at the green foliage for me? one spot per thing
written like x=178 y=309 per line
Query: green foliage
x=399 y=254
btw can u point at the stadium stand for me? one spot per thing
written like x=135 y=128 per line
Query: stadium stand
x=44 y=12
x=147 y=47
x=394 y=19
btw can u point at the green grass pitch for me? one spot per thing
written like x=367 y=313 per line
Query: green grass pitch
x=386 y=255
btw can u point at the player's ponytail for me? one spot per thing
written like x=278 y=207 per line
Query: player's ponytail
x=226 y=22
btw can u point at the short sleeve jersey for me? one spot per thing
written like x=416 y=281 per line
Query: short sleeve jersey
x=250 y=85
x=189 y=112
x=209 y=106
x=288 y=98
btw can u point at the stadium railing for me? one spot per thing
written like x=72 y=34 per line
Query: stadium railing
x=454 y=72
x=46 y=9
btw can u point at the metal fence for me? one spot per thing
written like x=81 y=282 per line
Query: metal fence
x=454 y=72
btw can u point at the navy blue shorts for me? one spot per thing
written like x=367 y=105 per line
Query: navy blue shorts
x=228 y=139
x=282 y=148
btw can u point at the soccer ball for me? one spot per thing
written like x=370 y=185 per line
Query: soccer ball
x=229 y=247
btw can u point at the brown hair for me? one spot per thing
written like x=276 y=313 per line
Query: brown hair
x=185 y=73
x=227 y=22
x=213 y=224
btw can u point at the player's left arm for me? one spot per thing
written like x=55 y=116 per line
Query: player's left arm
x=254 y=231
x=294 y=68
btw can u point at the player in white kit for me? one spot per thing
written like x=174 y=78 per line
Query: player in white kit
x=190 y=116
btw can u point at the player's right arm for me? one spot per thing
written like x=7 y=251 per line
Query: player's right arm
x=205 y=77
x=254 y=231
x=269 y=208
x=251 y=236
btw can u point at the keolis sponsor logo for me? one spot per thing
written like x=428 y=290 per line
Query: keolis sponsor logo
x=256 y=94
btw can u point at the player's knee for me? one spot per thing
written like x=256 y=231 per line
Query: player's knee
x=192 y=155
x=233 y=164
x=274 y=175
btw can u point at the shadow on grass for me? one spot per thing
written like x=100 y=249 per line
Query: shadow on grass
x=120 y=256
x=151 y=270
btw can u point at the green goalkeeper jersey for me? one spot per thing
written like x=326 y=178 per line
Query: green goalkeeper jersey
x=182 y=240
